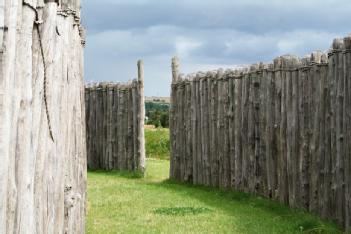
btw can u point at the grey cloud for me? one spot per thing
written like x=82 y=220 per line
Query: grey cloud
x=204 y=34
x=252 y=16
x=115 y=52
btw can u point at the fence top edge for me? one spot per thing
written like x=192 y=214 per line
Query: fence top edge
x=111 y=85
x=284 y=63
x=240 y=74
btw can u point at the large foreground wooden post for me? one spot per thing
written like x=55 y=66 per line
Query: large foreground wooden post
x=42 y=117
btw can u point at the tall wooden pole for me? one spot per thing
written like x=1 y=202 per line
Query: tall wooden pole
x=175 y=69
x=172 y=117
x=141 y=137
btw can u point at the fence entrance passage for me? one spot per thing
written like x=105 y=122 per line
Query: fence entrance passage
x=281 y=130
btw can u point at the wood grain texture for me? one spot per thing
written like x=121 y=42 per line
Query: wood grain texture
x=43 y=139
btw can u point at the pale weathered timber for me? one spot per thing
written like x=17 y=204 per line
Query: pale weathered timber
x=347 y=119
x=213 y=132
x=231 y=127
x=42 y=118
x=115 y=116
x=244 y=132
x=237 y=133
x=221 y=132
x=141 y=117
x=172 y=120
x=281 y=130
x=2 y=25
x=269 y=141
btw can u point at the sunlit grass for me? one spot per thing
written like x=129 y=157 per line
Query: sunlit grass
x=121 y=202
x=157 y=143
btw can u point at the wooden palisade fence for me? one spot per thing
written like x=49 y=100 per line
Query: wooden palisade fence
x=115 y=115
x=281 y=130
x=42 y=117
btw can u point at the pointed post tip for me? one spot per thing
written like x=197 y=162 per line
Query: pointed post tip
x=175 y=68
x=141 y=70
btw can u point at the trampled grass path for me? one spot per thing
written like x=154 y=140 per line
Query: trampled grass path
x=122 y=203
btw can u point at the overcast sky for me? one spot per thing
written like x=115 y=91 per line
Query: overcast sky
x=204 y=34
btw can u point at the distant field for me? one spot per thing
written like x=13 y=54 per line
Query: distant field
x=157 y=143
x=120 y=202
x=158 y=99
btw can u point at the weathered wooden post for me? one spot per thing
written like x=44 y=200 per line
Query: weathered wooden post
x=42 y=118
x=2 y=25
x=175 y=69
x=173 y=118
x=141 y=135
x=4 y=130
x=347 y=119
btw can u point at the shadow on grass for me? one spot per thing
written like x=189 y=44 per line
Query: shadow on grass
x=120 y=174
x=181 y=211
x=303 y=221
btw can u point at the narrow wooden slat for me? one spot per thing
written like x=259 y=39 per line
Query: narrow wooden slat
x=199 y=160
x=347 y=119
x=262 y=180
x=194 y=126
x=188 y=134
x=295 y=131
x=226 y=149
x=214 y=130
x=269 y=141
x=244 y=131
x=315 y=127
x=117 y=123
x=238 y=116
x=231 y=130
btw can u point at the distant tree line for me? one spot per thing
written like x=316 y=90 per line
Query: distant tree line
x=157 y=114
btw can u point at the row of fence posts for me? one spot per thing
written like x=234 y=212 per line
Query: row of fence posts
x=281 y=130
x=115 y=115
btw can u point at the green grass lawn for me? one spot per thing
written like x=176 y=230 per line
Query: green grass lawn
x=157 y=143
x=119 y=202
